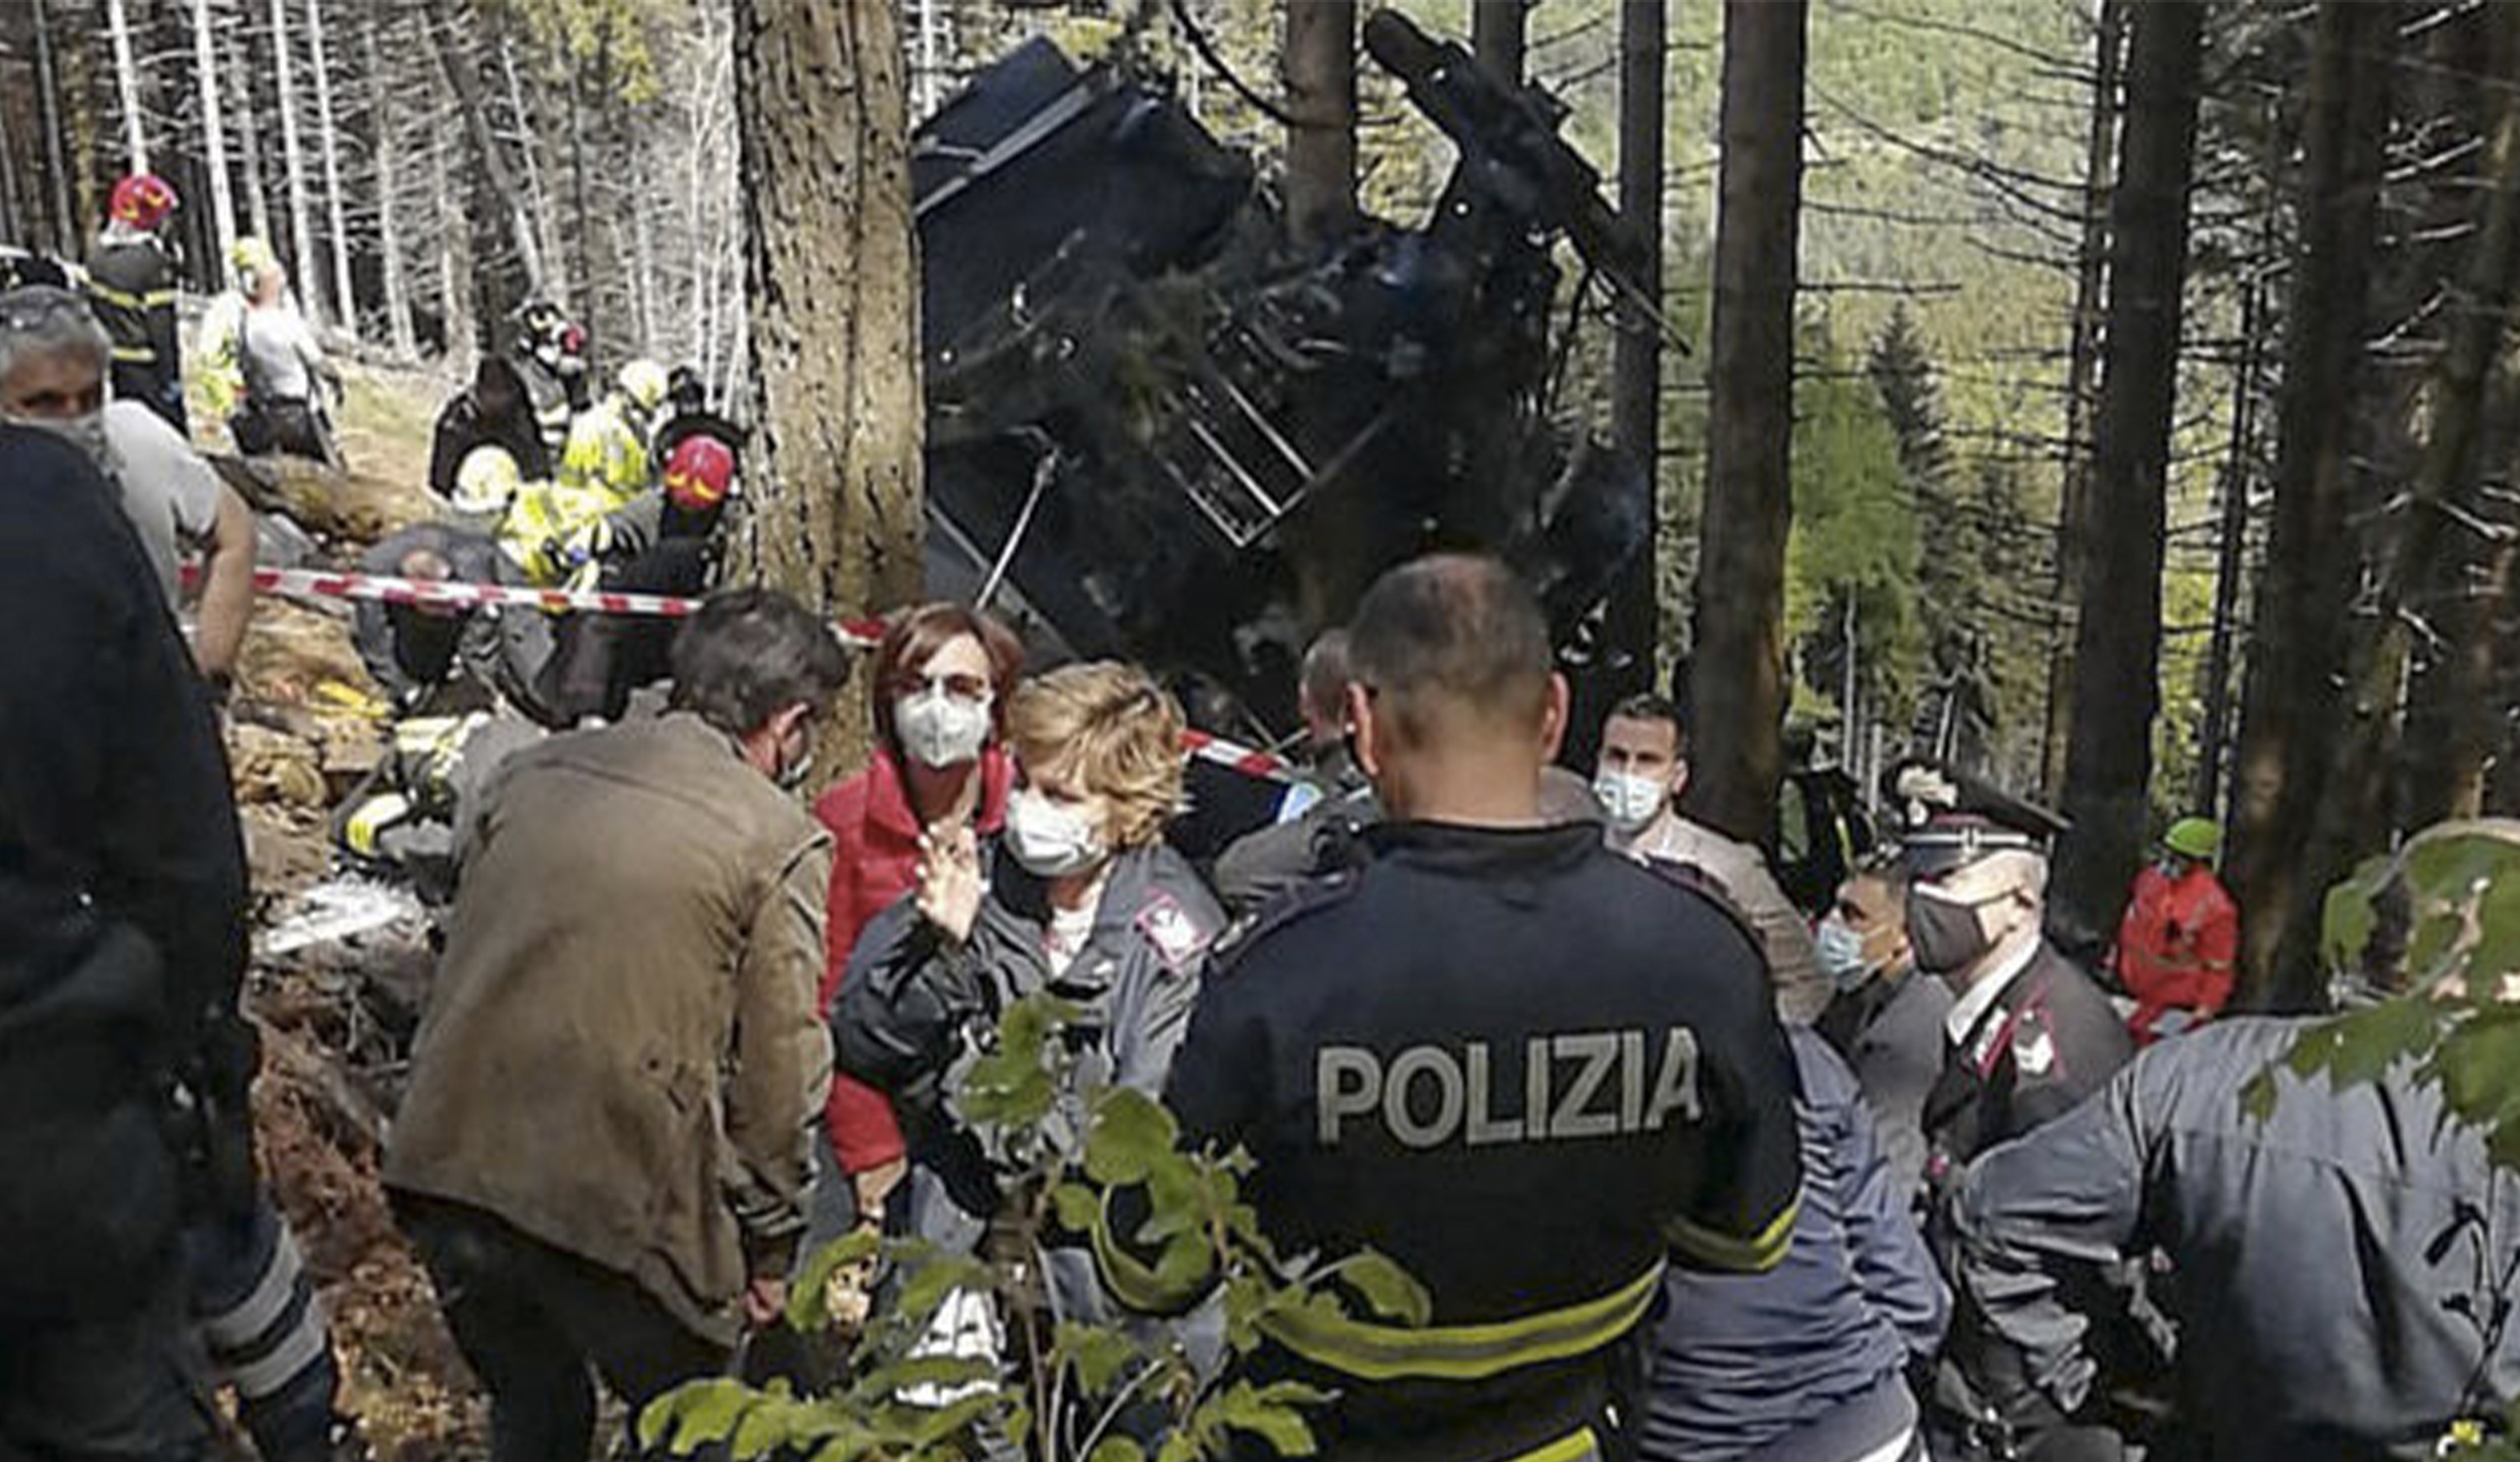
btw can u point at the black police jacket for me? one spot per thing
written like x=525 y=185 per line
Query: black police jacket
x=131 y=286
x=2335 y=1270
x=1529 y=1071
x=2049 y=1041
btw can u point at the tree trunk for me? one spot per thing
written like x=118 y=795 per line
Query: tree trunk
x=2288 y=720
x=1635 y=621
x=1737 y=688
x=126 y=86
x=66 y=224
x=215 y=139
x=1500 y=34
x=1320 y=97
x=467 y=87
x=258 y=198
x=2117 y=636
x=454 y=253
x=345 y=301
x=2229 y=557
x=389 y=236
x=553 y=276
x=832 y=277
x=2082 y=369
x=301 y=230
x=2450 y=562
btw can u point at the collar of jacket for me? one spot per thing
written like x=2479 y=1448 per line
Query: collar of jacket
x=889 y=793
x=1476 y=851
x=1017 y=903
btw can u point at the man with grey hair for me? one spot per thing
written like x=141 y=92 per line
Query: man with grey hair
x=54 y=358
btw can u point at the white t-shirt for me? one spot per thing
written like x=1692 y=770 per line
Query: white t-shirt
x=280 y=354
x=168 y=492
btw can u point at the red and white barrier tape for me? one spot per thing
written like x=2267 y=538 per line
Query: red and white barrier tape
x=432 y=593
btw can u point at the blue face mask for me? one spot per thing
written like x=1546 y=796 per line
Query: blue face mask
x=1842 y=953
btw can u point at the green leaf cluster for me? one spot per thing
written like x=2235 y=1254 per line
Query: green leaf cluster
x=1071 y=1392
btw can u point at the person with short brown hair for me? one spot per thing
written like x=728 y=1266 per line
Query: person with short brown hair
x=938 y=687
x=1079 y=893
x=1528 y=1071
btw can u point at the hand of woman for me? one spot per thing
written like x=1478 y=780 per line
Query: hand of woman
x=950 y=888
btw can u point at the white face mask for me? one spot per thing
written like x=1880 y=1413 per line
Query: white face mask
x=1051 y=839
x=939 y=729
x=1629 y=800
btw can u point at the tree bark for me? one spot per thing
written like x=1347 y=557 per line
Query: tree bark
x=257 y=197
x=454 y=253
x=66 y=224
x=1635 y=621
x=301 y=230
x=215 y=139
x=467 y=87
x=2082 y=369
x=1499 y=35
x=2453 y=558
x=1320 y=97
x=126 y=86
x=2117 y=636
x=390 y=242
x=1737 y=688
x=832 y=277
x=2288 y=720
x=2230 y=554
x=345 y=300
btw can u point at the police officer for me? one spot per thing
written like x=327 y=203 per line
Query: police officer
x=1336 y=804
x=2340 y=1269
x=1527 y=1069
x=2029 y=1033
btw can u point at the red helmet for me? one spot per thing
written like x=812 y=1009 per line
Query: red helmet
x=143 y=200
x=698 y=474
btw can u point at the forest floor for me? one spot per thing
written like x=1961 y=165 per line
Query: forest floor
x=337 y=1015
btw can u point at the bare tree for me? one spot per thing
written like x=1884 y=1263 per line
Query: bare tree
x=2108 y=764
x=821 y=102
x=1635 y=361
x=2287 y=726
x=301 y=229
x=126 y=85
x=390 y=242
x=1737 y=684
x=1320 y=97
x=214 y=141
x=2082 y=369
x=345 y=303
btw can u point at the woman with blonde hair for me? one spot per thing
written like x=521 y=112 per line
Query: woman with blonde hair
x=1079 y=896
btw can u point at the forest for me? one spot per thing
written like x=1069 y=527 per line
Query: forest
x=2149 y=389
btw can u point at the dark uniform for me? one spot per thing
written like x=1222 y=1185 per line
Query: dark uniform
x=1891 y=1033
x=2336 y=1269
x=2050 y=1039
x=1530 y=1071
x=131 y=286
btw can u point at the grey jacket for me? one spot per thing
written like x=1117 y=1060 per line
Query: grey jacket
x=914 y=1010
x=2333 y=1270
x=1891 y=1033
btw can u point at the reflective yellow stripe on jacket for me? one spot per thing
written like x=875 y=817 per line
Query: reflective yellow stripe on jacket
x=1756 y=1255
x=1462 y=1352
x=124 y=300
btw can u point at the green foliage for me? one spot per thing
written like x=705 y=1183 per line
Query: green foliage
x=1068 y=1386
x=2439 y=920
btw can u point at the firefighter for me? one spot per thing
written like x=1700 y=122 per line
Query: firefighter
x=1529 y=1069
x=2178 y=945
x=553 y=375
x=132 y=274
x=218 y=346
x=607 y=450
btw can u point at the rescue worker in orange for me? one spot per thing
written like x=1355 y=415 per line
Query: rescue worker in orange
x=2180 y=941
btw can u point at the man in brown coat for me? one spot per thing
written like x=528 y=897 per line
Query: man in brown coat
x=603 y=1151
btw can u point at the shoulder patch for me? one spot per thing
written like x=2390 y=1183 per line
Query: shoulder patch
x=1176 y=936
x=2034 y=1044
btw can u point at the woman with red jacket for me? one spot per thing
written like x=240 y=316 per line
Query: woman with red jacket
x=941 y=680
